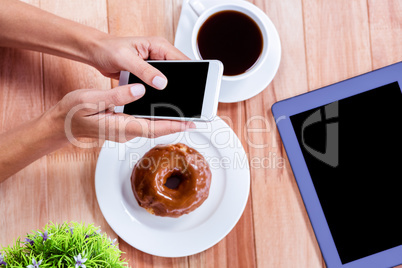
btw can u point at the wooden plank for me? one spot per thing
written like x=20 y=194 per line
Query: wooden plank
x=23 y=200
x=283 y=234
x=176 y=11
x=386 y=32
x=71 y=190
x=139 y=259
x=141 y=18
x=337 y=40
x=21 y=87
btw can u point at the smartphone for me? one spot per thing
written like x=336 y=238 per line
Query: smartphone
x=191 y=93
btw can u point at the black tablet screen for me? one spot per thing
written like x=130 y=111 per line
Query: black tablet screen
x=352 y=149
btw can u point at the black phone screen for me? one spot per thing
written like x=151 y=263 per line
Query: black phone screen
x=352 y=149
x=182 y=97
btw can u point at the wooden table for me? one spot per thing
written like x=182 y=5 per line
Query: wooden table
x=322 y=42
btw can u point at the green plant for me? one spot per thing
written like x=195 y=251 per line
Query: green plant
x=66 y=245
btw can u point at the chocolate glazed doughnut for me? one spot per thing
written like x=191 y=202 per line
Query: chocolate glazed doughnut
x=162 y=164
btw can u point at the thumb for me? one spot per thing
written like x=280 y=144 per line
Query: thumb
x=119 y=96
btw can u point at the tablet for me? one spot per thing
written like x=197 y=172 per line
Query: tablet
x=344 y=143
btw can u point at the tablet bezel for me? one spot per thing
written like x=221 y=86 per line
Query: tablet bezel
x=282 y=111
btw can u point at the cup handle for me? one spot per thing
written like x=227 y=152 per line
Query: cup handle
x=197 y=6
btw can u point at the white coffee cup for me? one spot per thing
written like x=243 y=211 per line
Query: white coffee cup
x=244 y=7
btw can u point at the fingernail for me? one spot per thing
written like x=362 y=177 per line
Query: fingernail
x=137 y=90
x=191 y=125
x=159 y=82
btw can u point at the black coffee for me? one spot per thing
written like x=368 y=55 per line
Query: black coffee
x=233 y=38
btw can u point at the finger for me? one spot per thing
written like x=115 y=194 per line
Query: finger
x=153 y=129
x=147 y=73
x=118 y=96
x=172 y=53
x=161 y=49
x=123 y=127
x=164 y=127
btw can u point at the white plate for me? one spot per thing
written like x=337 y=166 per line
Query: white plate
x=233 y=91
x=188 y=234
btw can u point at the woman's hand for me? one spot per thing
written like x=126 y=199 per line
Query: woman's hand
x=69 y=39
x=89 y=113
x=81 y=113
x=115 y=54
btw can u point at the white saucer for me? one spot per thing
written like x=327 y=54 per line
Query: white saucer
x=188 y=234
x=233 y=91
